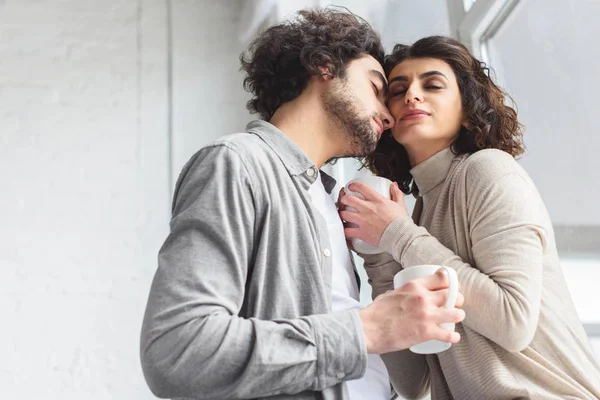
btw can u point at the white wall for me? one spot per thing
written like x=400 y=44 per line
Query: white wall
x=101 y=104
x=208 y=98
x=402 y=21
x=84 y=205
x=408 y=21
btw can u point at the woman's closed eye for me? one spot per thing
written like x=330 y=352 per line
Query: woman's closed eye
x=434 y=84
x=402 y=91
x=397 y=92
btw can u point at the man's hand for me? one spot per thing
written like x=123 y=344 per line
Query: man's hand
x=411 y=314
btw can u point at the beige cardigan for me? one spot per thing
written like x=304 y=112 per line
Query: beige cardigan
x=522 y=338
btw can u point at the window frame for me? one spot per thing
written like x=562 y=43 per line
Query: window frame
x=474 y=27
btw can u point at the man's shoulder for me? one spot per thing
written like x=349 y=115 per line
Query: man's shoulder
x=246 y=146
x=243 y=153
x=231 y=158
x=239 y=139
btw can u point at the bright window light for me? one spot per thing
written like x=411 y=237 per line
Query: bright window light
x=468 y=4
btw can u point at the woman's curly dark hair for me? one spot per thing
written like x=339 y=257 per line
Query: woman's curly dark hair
x=280 y=62
x=488 y=122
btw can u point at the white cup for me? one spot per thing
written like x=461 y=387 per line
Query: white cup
x=421 y=271
x=380 y=185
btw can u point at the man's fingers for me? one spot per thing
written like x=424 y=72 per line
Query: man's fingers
x=440 y=297
x=460 y=300
x=444 y=335
x=448 y=315
x=436 y=281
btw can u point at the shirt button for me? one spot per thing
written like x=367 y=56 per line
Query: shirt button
x=310 y=172
x=341 y=375
x=327 y=252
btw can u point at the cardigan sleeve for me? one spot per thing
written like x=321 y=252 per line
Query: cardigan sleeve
x=506 y=219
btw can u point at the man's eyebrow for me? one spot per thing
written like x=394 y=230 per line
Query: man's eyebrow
x=382 y=79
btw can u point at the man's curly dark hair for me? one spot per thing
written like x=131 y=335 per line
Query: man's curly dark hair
x=280 y=62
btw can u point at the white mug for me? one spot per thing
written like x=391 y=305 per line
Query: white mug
x=380 y=185
x=421 y=271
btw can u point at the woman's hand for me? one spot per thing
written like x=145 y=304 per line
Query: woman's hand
x=340 y=208
x=374 y=213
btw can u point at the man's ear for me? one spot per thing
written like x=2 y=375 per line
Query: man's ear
x=325 y=74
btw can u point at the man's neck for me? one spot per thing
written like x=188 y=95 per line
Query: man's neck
x=305 y=122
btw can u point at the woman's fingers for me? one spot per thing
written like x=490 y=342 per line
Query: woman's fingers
x=396 y=194
x=351 y=233
x=364 y=190
x=354 y=202
x=350 y=216
x=339 y=204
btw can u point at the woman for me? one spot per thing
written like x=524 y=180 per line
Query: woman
x=453 y=146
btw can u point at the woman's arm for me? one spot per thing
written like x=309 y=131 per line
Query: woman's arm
x=504 y=286
x=506 y=221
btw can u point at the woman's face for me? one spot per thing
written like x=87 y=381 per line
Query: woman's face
x=426 y=105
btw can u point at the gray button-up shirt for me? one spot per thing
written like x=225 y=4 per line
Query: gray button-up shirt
x=240 y=306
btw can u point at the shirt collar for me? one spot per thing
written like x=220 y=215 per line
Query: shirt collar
x=293 y=158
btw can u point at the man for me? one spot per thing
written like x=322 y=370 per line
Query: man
x=241 y=304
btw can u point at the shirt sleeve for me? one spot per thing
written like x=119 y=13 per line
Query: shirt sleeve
x=193 y=342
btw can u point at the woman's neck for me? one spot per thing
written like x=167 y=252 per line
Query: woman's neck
x=418 y=154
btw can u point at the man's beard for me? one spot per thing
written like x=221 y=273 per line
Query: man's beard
x=345 y=109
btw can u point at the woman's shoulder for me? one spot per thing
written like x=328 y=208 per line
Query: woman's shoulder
x=488 y=165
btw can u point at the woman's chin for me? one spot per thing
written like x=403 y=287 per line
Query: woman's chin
x=406 y=137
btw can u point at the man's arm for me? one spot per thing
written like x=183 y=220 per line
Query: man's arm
x=409 y=372
x=193 y=342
